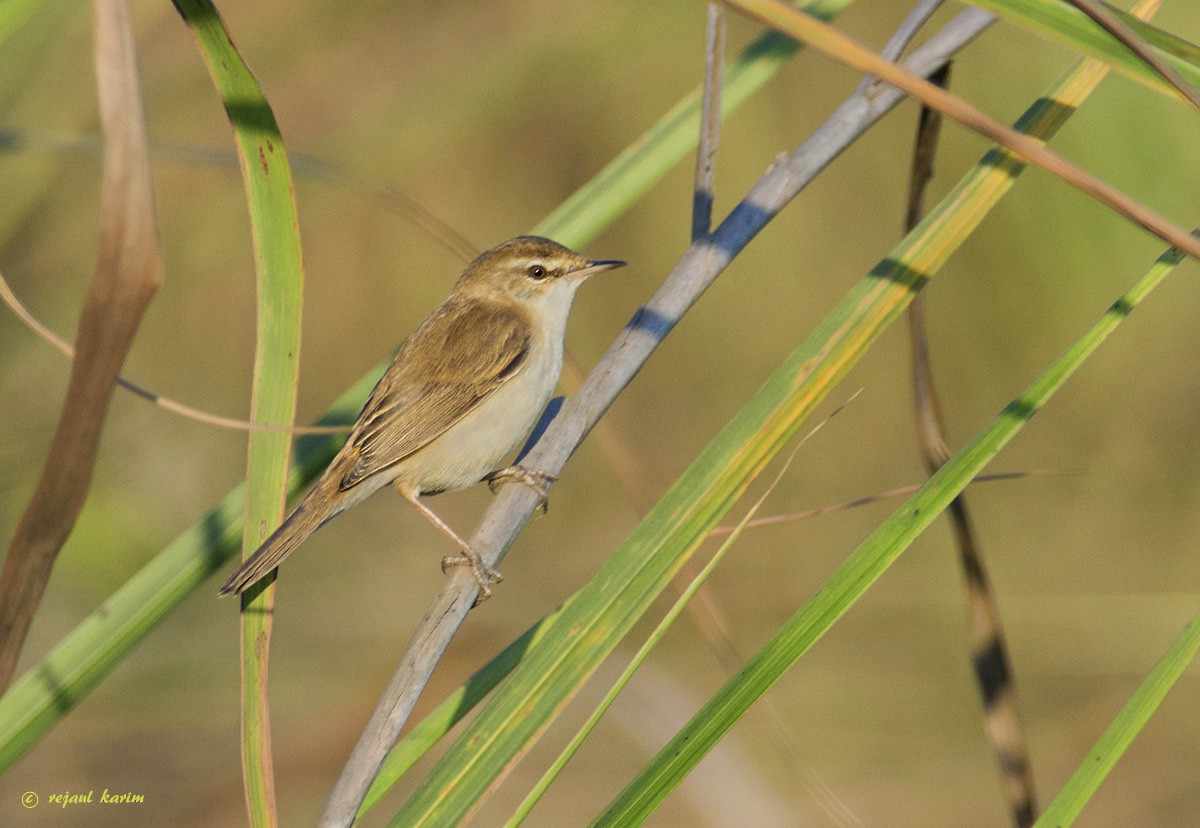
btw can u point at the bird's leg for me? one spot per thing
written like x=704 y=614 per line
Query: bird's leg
x=539 y=481
x=485 y=576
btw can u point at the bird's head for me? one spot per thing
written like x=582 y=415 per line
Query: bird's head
x=532 y=270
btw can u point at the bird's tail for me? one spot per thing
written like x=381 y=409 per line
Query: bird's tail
x=311 y=513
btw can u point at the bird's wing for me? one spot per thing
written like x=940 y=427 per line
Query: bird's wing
x=458 y=358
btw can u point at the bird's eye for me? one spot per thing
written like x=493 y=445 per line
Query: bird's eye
x=536 y=272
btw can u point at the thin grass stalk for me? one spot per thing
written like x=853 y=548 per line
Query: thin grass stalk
x=703 y=189
x=208 y=418
x=887 y=494
x=990 y=660
x=704 y=610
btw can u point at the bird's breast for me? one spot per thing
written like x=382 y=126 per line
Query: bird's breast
x=481 y=440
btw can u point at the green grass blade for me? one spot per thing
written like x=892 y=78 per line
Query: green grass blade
x=1128 y=724
x=857 y=573
x=279 y=272
x=1066 y=24
x=591 y=624
x=40 y=698
x=639 y=657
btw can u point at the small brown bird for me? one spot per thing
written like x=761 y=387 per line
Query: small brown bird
x=463 y=392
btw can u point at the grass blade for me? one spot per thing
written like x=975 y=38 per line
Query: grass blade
x=279 y=272
x=1128 y=724
x=858 y=572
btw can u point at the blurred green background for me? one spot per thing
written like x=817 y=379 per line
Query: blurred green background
x=489 y=114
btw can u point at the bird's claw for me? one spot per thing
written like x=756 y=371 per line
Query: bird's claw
x=484 y=575
x=539 y=481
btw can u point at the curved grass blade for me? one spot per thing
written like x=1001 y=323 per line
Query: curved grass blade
x=1066 y=24
x=1128 y=724
x=858 y=572
x=594 y=621
x=279 y=271
x=43 y=695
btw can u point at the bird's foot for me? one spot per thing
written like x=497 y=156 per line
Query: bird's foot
x=539 y=481
x=485 y=576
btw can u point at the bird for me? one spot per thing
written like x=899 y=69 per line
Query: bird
x=460 y=395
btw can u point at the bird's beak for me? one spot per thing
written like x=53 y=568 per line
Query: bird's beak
x=598 y=266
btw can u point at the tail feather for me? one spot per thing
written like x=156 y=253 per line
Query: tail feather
x=283 y=541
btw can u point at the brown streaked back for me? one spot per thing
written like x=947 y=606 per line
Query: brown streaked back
x=459 y=356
